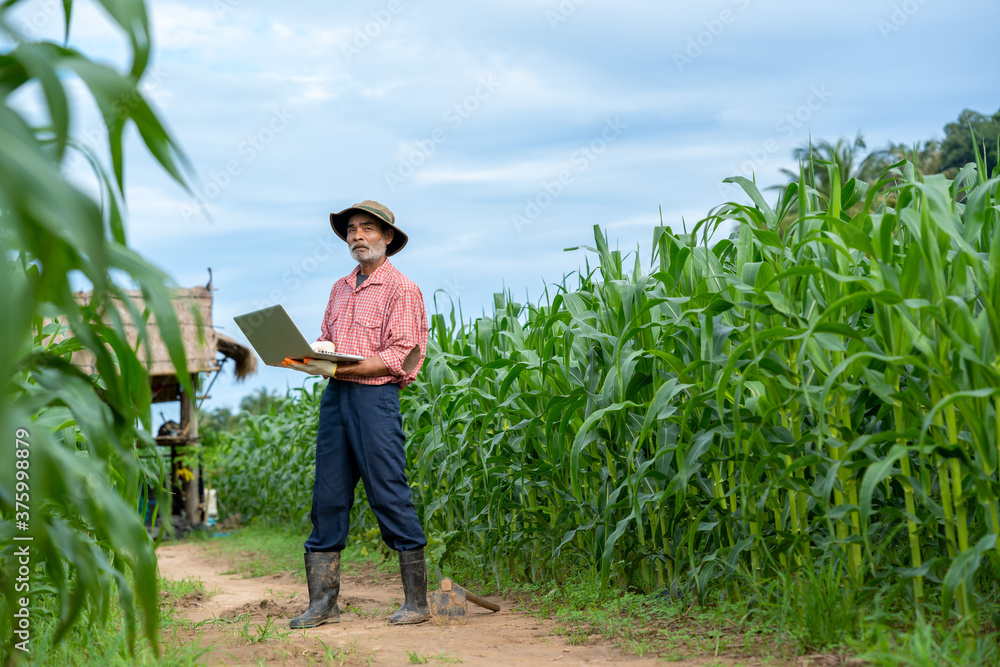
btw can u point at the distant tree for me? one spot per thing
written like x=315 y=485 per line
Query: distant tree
x=216 y=428
x=219 y=419
x=259 y=402
x=957 y=149
x=848 y=157
x=213 y=424
x=925 y=156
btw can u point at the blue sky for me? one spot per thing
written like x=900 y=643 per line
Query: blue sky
x=498 y=133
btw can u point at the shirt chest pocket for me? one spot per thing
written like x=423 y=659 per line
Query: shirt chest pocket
x=367 y=328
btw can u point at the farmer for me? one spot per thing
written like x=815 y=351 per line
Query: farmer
x=378 y=313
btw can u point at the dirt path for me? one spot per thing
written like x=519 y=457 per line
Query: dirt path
x=363 y=635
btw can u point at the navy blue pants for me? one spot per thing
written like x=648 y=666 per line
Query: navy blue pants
x=361 y=435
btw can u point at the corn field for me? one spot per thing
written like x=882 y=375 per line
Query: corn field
x=266 y=470
x=818 y=390
x=821 y=386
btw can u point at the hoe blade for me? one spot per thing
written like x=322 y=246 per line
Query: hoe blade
x=448 y=605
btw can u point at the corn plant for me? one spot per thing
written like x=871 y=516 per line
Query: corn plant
x=818 y=392
x=821 y=386
x=265 y=465
x=82 y=485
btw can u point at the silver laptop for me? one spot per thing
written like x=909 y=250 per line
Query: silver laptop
x=273 y=334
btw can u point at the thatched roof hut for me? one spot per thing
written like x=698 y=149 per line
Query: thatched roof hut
x=202 y=343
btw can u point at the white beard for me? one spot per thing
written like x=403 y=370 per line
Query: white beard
x=371 y=254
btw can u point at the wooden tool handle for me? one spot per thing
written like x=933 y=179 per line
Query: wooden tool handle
x=447 y=584
x=486 y=604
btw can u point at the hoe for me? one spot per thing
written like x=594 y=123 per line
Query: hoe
x=449 y=605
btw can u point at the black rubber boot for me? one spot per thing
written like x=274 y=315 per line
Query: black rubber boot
x=413 y=571
x=323 y=579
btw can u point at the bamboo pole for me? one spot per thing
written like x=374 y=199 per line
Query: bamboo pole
x=189 y=426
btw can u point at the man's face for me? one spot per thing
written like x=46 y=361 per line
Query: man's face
x=366 y=239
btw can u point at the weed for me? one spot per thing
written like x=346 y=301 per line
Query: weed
x=339 y=655
x=178 y=588
x=105 y=643
x=282 y=595
x=927 y=645
x=813 y=606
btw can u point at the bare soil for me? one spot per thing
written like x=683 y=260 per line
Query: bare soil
x=363 y=636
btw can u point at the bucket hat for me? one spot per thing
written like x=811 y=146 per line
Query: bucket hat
x=339 y=223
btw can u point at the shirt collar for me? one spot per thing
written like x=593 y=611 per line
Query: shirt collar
x=378 y=276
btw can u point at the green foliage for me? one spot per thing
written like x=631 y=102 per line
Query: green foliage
x=741 y=411
x=844 y=156
x=971 y=138
x=265 y=465
x=260 y=402
x=811 y=408
x=958 y=147
x=82 y=432
x=925 y=156
x=927 y=645
x=93 y=641
x=813 y=607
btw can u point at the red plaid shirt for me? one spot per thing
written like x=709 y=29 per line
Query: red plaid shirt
x=384 y=316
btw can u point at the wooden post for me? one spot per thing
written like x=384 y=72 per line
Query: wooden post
x=189 y=426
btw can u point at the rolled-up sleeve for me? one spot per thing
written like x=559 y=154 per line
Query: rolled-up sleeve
x=405 y=327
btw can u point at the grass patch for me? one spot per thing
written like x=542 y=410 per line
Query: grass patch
x=648 y=625
x=188 y=587
x=339 y=656
x=926 y=645
x=97 y=641
x=258 y=633
x=259 y=550
x=790 y=619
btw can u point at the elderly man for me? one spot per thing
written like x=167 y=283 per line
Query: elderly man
x=378 y=313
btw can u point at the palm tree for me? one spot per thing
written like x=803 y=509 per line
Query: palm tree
x=844 y=155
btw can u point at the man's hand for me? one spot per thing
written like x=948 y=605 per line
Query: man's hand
x=312 y=366
x=371 y=367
